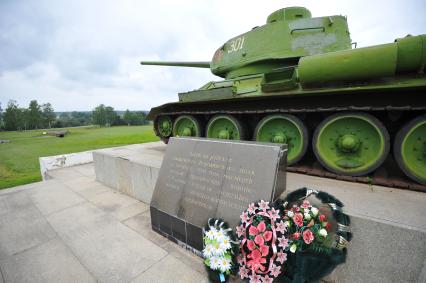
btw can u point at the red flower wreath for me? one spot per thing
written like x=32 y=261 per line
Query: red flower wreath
x=262 y=243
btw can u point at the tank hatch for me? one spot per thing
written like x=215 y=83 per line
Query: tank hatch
x=288 y=14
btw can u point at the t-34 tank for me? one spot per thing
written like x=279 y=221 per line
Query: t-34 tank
x=297 y=80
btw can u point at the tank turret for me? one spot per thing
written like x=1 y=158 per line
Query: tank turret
x=296 y=80
x=297 y=34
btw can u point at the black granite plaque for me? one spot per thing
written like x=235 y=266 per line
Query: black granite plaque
x=202 y=178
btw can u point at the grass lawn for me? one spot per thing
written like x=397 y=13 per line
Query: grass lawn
x=19 y=158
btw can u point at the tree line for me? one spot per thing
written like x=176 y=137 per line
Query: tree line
x=106 y=116
x=36 y=116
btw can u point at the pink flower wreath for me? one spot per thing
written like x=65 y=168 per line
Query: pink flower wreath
x=262 y=243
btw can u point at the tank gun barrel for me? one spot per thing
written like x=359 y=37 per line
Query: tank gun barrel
x=200 y=64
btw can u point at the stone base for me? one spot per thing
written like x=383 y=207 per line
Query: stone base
x=49 y=163
x=132 y=169
x=389 y=227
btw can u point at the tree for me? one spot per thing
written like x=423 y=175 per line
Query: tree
x=99 y=115
x=129 y=117
x=48 y=115
x=80 y=118
x=1 y=117
x=12 y=116
x=105 y=116
x=64 y=115
x=24 y=119
x=141 y=118
x=134 y=118
x=34 y=115
x=112 y=118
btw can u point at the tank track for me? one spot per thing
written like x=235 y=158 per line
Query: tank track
x=393 y=117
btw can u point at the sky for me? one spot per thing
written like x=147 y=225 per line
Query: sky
x=78 y=54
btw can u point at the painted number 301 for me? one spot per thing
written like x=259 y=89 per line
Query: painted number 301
x=236 y=44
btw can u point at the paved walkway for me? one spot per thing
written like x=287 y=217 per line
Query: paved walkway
x=74 y=229
x=71 y=228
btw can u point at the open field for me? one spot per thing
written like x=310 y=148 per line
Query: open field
x=19 y=158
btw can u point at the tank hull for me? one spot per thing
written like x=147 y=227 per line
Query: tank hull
x=393 y=102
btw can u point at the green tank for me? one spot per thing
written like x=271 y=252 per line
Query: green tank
x=297 y=80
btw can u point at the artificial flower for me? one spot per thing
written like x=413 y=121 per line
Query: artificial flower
x=275 y=270
x=244 y=272
x=293 y=248
x=314 y=211
x=214 y=262
x=323 y=232
x=217 y=250
x=220 y=235
x=240 y=230
x=274 y=214
x=208 y=251
x=296 y=236
x=244 y=217
x=308 y=236
x=257 y=261
x=283 y=242
x=264 y=250
x=281 y=227
x=260 y=233
x=225 y=244
x=211 y=233
x=298 y=219
x=267 y=279
x=263 y=205
x=306 y=204
x=252 y=208
x=290 y=213
x=255 y=278
x=307 y=216
x=225 y=264
x=281 y=257
x=322 y=217
x=240 y=259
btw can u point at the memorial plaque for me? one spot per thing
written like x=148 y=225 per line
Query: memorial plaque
x=203 y=178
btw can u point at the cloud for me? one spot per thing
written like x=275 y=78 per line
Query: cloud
x=78 y=54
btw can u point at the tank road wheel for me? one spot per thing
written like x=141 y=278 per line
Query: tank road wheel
x=351 y=144
x=410 y=149
x=164 y=126
x=284 y=129
x=186 y=126
x=225 y=127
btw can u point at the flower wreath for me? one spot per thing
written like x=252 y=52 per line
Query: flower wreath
x=318 y=234
x=307 y=228
x=219 y=250
x=262 y=243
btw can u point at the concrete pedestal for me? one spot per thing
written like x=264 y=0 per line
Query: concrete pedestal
x=132 y=169
x=389 y=225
